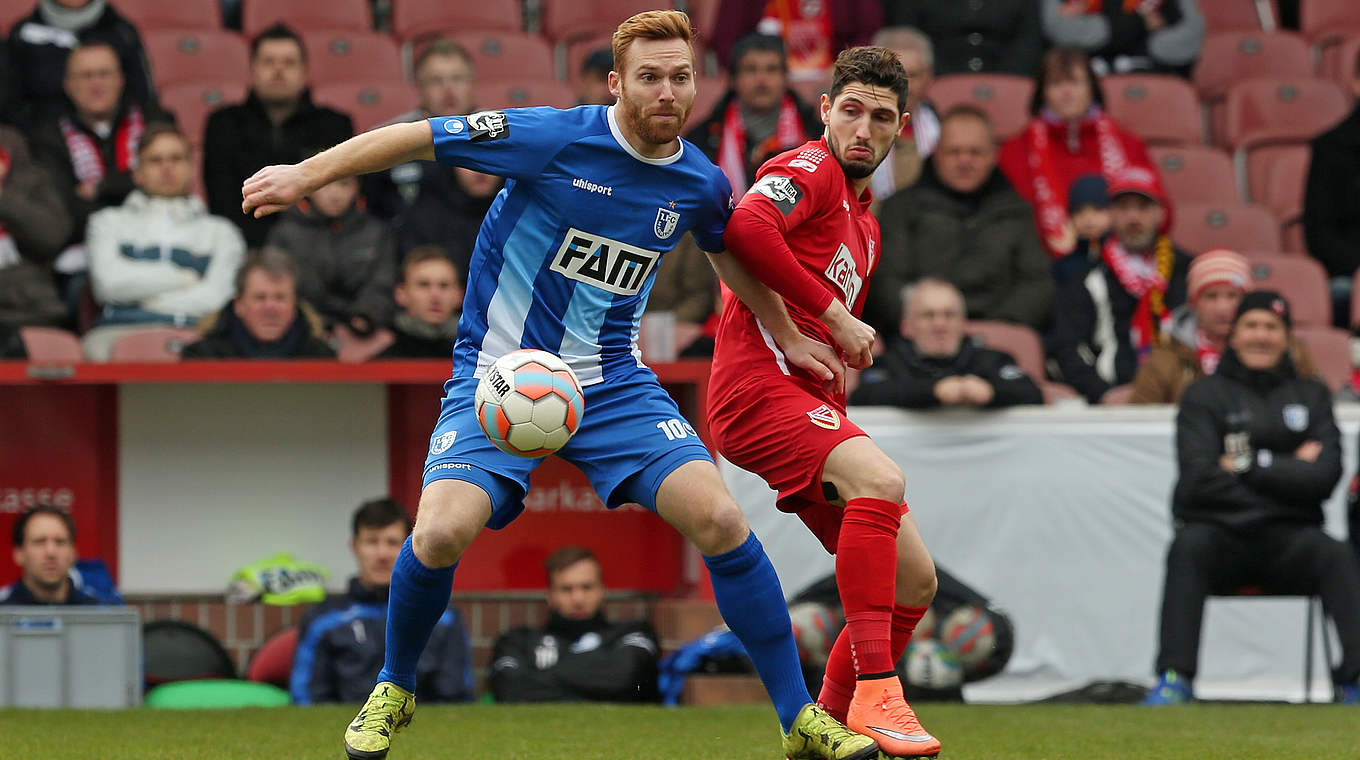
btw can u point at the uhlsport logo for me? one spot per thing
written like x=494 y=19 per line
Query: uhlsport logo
x=453 y=126
x=603 y=262
x=825 y=417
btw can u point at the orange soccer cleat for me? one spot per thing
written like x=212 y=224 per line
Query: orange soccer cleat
x=879 y=711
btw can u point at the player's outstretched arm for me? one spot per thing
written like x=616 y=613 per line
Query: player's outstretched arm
x=275 y=188
x=802 y=351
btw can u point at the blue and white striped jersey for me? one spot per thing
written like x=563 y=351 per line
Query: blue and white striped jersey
x=568 y=252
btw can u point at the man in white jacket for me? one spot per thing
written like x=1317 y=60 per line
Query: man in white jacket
x=160 y=259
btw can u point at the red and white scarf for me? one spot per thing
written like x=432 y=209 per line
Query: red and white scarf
x=1208 y=353
x=1138 y=276
x=1051 y=198
x=733 y=151
x=85 y=156
x=1129 y=6
x=9 y=252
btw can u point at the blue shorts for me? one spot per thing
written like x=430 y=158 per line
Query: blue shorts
x=631 y=437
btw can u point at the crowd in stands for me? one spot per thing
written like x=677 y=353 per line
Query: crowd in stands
x=1064 y=162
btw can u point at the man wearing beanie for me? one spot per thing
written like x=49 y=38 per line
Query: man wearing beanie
x=1106 y=323
x=1258 y=452
x=1193 y=342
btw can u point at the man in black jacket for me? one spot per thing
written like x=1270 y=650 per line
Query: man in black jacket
x=341 y=641
x=579 y=655
x=1258 y=452
x=277 y=124
x=932 y=364
x=1331 y=204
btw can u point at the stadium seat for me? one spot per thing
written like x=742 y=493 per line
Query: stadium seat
x=1229 y=57
x=370 y=104
x=571 y=19
x=1021 y=342
x=1222 y=15
x=1196 y=174
x=11 y=12
x=710 y=90
x=1163 y=110
x=1278 y=183
x=341 y=56
x=811 y=90
x=1330 y=349
x=579 y=50
x=508 y=55
x=515 y=93
x=1337 y=62
x=173 y=650
x=1328 y=20
x=1004 y=97
x=1300 y=279
x=1200 y=227
x=1265 y=111
x=414 y=18
x=273 y=661
x=192 y=102
x=703 y=14
x=188 y=55
x=153 y=344
x=170 y=14
x=50 y=344
x=349 y=15
x=355 y=348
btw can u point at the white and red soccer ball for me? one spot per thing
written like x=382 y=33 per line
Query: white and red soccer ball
x=529 y=403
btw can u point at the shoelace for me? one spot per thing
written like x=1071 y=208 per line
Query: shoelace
x=901 y=715
x=385 y=718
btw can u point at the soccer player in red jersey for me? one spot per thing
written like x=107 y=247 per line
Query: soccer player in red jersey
x=777 y=397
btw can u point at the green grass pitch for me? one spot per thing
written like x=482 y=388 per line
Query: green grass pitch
x=590 y=732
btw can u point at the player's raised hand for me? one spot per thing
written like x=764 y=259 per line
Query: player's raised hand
x=816 y=357
x=273 y=189
x=854 y=337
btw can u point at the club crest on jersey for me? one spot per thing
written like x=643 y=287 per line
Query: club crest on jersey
x=666 y=222
x=1296 y=417
x=843 y=272
x=825 y=417
x=487 y=126
x=609 y=264
x=779 y=189
x=442 y=443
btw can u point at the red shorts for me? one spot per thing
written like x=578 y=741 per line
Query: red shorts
x=774 y=427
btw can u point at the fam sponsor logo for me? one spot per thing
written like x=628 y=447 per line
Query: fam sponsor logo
x=603 y=262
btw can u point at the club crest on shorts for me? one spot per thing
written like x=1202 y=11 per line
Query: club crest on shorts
x=1296 y=417
x=442 y=443
x=666 y=222
x=825 y=417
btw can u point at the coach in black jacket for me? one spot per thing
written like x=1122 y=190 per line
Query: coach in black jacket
x=932 y=364
x=1259 y=452
x=579 y=655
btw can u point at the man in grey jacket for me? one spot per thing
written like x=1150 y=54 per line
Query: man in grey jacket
x=1157 y=35
x=963 y=223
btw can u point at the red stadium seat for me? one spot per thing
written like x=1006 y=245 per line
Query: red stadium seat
x=1196 y=174
x=1004 y=97
x=416 y=18
x=1200 y=227
x=1163 y=110
x=49 y=344
x=191 y=55
x=703 y=14
x=1330 y=349
x=370 y=104
x=1021 y=342
x=515 y=93
x=709 y=90
x=1338 y=61
x=192 y=103
x=154 y=344
x=1324 y=20
x=1221 y=15
x=1278 y=183
x=579 y=50
x=13 y=11
x=341 y=56
x=1300 y=279
x=350 y=15
x=1230 y=57
x=508 y=56
x=1272 y=110
x=570 y=19
x=170 y=14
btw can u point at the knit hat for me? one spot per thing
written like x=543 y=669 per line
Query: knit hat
x=1268 y=300
x=1087 y=190
x=1217 y=267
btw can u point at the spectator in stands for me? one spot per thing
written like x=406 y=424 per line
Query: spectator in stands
x=160 y=258
x=448 y=212
x=444 y=79
x=963 y=222
x=931 y=364
x=1069 y=136
x=92 y=145
x=813 y=32
x=1259 y=452
x=758 y=117
x=1105 y=324
x=579 y=655
x=430 y=295
x=998 y=36
x=9 y=87
x=686 y=286
x=277 y=124
x=1088 y=206
x=341 y=641
x=345 y=258
x=593 y=86
x=265 y=320
x=1197 y=331
x=1156 y=35
x=914 y=145
x=34 y=225
x=45 y=550
x=40 y=44
x=1331 y=205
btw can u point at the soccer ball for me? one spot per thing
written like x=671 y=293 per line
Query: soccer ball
x=815 y=629
x=970 y=632
x=529 y=403
x=931 y=665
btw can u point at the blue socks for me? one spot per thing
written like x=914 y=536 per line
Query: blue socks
x=752 y=603
x=418 y=596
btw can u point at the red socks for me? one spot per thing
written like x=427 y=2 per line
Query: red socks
x=838 y=685
x=866 y=575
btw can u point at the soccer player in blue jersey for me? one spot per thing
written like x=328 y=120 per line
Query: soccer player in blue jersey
x=563 y=262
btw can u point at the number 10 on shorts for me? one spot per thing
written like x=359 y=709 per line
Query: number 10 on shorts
x=676 y=429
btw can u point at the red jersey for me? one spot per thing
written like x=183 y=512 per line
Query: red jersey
x=805 y=195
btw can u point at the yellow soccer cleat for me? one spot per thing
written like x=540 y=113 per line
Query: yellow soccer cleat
x=388 y=710
x=817 y=735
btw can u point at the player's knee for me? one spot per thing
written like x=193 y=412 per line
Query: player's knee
x=724 y=530
x=440 y=545
x=884 y=481
x=917 y=585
